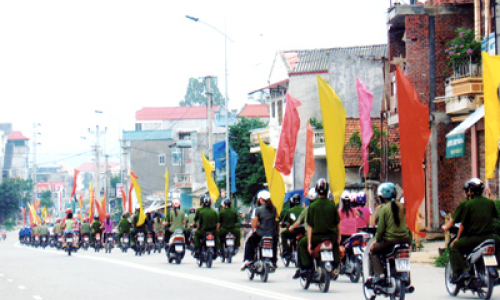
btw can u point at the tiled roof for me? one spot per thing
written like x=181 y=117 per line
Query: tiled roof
x=148 y=135
x=173 y=113
x=16 y=136
x=255 y=111
x=318 y=60
x=90 y=166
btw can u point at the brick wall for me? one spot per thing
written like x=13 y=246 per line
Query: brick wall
x=442 y=2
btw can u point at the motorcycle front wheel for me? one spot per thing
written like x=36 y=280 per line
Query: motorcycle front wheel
x=451 y=288
x=250 y=274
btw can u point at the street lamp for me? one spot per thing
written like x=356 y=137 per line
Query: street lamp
x=228 y=191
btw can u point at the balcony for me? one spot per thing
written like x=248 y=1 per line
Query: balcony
x=182 y=180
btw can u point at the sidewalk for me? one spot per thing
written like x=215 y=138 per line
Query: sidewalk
x=428 y=254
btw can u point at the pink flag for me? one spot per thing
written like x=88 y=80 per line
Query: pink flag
x=60 y=200
x=288 y=136
x=75 y=176
x=365 y=106
x=309 y=164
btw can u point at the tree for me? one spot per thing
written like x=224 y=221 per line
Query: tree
x=10 y=199
x=46 y=199
x=114 y=180
x=373 y=148
x=250 y=175
x=195 y=93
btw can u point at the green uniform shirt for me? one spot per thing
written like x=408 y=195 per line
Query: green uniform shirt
x=85 y=228
x=96 y=225
x=302 y=216
x=43 y=230
x=479 y=215
x=323 y=216
x=158 y=226
x=228 y=218
x=197 y=214
x=57 y=228
x=36 y=230
x=191 y=218
x=296 y=210
x=208 y=219
x=124 y=225
x=459 y=212
x=70 y=224
x=387 y=228
x=176 y=221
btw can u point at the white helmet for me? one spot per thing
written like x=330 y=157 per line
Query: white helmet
x=346 y=196
x=402 y=200
x=176 y=203
x=264 y=194
x=137 y=206
x=312 y=195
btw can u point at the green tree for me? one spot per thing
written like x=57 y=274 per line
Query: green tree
x=374 y=149
x=195 y=93
x=250 y=175
x=10 y=198
x=114 y=180
x=46 y=200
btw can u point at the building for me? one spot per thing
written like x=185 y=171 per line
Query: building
x=5 y=131
x=417 y=38
x=251 y=111
x=16 y=162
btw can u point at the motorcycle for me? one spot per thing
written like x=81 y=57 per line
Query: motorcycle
x=44 y=241
x=207 y=251
x=36 y=241
x=124 y=242
x=140 y=246
x=396 y=270
x=59 y=241
x=176 y=247
x=159 y=242
x=4 y=236
x=292 y=255
x=262 y=264
x=97 y=242
x=228 y=250
x=110 y=243
x=150 y=245
x=86 y=241
x=322 y=257
x=351 y=256
x=52 y=241
x=482 y=265
x=70 y=243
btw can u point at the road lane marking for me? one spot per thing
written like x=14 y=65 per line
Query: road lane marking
x=10 y=280
x=221 y=283
x=1 y=275
x=37 y=297
x=21 y=287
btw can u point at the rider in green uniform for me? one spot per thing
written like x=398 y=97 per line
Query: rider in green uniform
x=177 y=219
x=85 y=229
x=229 y=222
x=208 y=222
x=123 y=227
x=290 y=217
x=135 y=227
x=96 y=227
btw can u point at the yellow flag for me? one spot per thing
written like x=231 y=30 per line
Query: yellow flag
x=44 y=212
x=273 y=177
x=212 y=187
x=35 y=216
x=91 y=208
x=333 y=116
x=137 y=189
x=166 y=191
x=491 y=80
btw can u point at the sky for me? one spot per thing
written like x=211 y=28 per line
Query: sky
x=60 y=61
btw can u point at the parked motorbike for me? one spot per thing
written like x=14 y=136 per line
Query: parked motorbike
x=176 y=247
x=351 y=256
x=397 y=274
x=97 y=242
x=140 y=245
x=70 y=243
x=228 y=250
x=207 y=251
x=322 y=257
x=160 y=243
x=150 y=245
x=85 y=241
x=262 y=264
x=110 y=243
x=124 y=242
x=482 y=265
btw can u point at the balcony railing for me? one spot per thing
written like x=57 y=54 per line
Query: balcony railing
x=182 y=180
x=468 y=69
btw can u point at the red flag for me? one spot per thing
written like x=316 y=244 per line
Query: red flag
x=365 y=105
x=24 y=217
x=130 y=210
x=101 y=209
x=309 y=164
x=30 y=215
x=37 y=204
x=124 y=198
x=288 y=137
x=74 y=183
x=414 y=135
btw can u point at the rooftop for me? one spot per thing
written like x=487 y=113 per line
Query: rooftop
x=173 y=113
x=165 y=134
x=255 y=111
x=90 y=166
x=16 y=136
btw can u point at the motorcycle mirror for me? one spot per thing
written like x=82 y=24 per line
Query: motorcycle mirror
x=443 y=214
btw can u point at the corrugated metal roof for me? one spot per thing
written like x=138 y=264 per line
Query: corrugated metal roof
x=16 y=136
x=318 y=60
x=148 y=135
x=255 y=111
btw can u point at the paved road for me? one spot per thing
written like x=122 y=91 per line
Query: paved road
x=28 y=273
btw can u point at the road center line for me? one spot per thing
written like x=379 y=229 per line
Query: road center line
x=21 y=287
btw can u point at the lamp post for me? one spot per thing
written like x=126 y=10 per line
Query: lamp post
x=226 y=100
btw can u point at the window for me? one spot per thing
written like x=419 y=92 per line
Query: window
x=280 y=111
x=138 y=127
x=176 y=156
x=185 y=136
x=161 y=159
x=319 y=137
x=273 y=107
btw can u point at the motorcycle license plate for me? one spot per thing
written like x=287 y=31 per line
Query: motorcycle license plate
x=140 y=239
x=490 y=260
x=36 y=239
x=86 y=239
x=230 y=242
x=69 y=240
x=210 y=243
x=327 y=256
x=267 y=253
x=179 y=248
x=125 y=240
x=160 y=239
x=358 y=251
x=150 y=240
x=402 y=264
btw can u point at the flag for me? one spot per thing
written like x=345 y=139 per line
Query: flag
x=333 y=116
x=35 y=218
x=30 y=214
x=414 y=135
x=130 y=208
x=220 y=161
x=101 y=208
x=91 y=209
x=124 y=199
x=234 y=163
x=81 y=202
x=273 y=177
x=212 y=187
x=288 y=136
x=137 y=189
x=365 y=99
x=24 y=217
x=491 y=80
x=44 y=212
x=37 y=204
x=59 y=194
x=309 y=167
x=74 y=184
x=166 y=191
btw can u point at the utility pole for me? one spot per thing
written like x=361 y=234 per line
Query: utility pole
x=35 y=125
x=209 y=116
x=125 y=145
x=97 y=169
x=106 y=183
